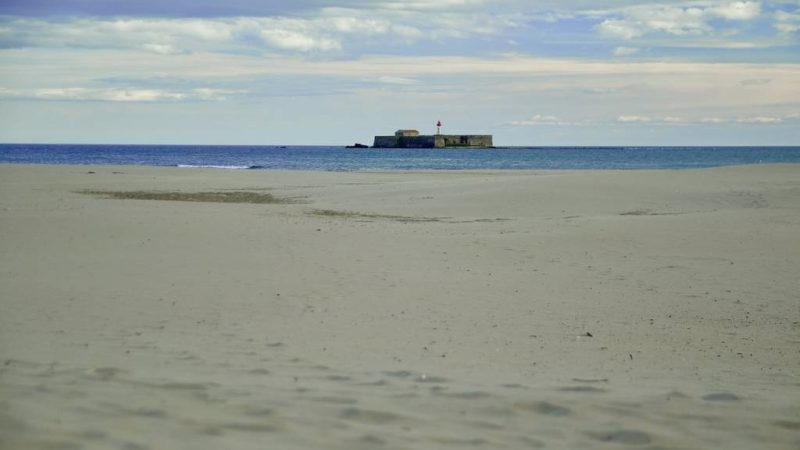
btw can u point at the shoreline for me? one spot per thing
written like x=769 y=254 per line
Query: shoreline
x=407 y=308
x=398 y=171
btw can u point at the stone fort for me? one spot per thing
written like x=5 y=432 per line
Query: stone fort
x=412 y=139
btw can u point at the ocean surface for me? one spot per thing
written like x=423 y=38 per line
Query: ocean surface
x=328 y=158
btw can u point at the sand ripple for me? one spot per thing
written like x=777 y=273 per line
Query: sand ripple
x=300 y=404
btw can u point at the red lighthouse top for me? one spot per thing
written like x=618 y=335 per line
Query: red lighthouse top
x=438 y=123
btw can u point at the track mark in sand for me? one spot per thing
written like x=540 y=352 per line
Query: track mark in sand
x=357 y=215
x=149 y=413
x=399 y=373
x=343 y=214
x=545 y=408
x=104 y=373
x=787 y=424
x=259 y=412
x=45 y=444
x=421 y=378
x=650 y=212
x=721 y=397
x=425 y=378
x=582 y=389
x=590 y=380
x=335 y=400
x=460 y=441
x=484 y=425
x=371 y=439
x=184 y=386
x=255 y=427
x=468 y=395
x=369 y=416
x=630 y=437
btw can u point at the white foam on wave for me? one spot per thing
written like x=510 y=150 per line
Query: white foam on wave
x=208 y=166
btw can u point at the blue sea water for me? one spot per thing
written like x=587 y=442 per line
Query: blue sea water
x=343 y=159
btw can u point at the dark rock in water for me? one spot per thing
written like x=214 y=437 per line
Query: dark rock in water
x=357 y=145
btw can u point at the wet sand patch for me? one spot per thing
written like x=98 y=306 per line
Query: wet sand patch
x=200 y=197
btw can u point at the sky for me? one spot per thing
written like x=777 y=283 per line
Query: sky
x=335 y=72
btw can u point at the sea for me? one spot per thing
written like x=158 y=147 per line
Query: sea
x=338 y=158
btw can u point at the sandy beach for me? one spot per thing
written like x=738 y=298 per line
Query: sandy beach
x=165 y=308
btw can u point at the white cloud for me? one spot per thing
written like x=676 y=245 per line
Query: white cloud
x=709 y=42
x=737 y=10
x=544 y=120
x=403 y=81
x=634 y=119
x=162 y=49
x=116 y=94
x=288 y=39
x=622 y=29
x=672 y=120
x=690 y=19
x=787 y=22
x=326 y=30
x=626 y=51
x=663 y=120
x=760 y=119
x=537 y=119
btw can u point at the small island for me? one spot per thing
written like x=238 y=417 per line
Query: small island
x=412 y=139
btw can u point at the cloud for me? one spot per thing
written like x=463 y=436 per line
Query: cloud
x=298 y=38
x=538 y=119
x=116 y=94
x=787 y=22
x=671 y=120
x=747 y=10
x=760 y=119
x=689 y=20
x=720 y=43
x=634 y=119
x=162 y=49
x=545 y=120
x=403 y=81
x=173 y=36
x=757 y=120
x=626 y=51
x=328 y=30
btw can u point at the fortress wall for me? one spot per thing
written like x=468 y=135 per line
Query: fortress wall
x=417 y=142
x=386 y=141
x=434 y=141
x=464 y=140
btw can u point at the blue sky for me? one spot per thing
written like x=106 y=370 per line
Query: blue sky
x=568 y=72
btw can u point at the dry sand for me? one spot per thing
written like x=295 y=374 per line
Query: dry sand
x=592 y=309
